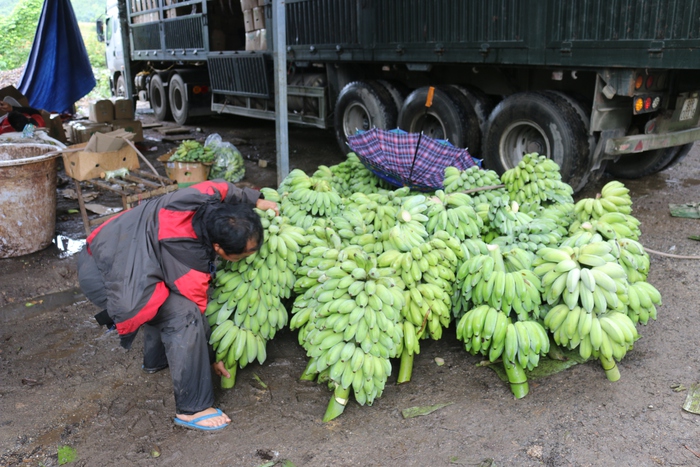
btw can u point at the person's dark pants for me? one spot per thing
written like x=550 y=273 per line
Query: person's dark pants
x=177 y=337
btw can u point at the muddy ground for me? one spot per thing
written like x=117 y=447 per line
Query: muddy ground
x=65 y=382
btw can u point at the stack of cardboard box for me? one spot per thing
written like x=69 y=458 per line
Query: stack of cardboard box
x=254 y=19
x=106 y=115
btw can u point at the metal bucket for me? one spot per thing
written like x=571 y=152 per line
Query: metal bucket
x=27 y=198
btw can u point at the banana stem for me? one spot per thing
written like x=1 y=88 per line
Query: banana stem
x=610 y=367
x=517 y=378
x=406 y=367
x=228 y=383
x=337 y=404
x=309 y=373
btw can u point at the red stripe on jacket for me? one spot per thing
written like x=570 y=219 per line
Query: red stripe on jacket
x=175 y=224
x=209 y=187
x=97 y=230
x=160 y=294
x=194 y=285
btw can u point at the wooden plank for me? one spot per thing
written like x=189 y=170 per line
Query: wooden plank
x=147 y=126
x=173 y=131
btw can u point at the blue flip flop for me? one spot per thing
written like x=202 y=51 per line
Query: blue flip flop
x=193 y=424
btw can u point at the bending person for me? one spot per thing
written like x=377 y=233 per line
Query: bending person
x=150 y=267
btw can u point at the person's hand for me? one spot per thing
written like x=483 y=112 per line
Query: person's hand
x=220 y=369
x=264 y=205
x=5 y=107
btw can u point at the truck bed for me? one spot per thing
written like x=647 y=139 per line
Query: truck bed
x=569 y=33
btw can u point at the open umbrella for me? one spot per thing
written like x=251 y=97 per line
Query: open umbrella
x=408 y=159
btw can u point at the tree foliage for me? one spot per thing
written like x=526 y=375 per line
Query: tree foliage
x=18 y=31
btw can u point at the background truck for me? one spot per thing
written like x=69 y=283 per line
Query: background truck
x=594 y=84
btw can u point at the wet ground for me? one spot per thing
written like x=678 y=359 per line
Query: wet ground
x=66 y=386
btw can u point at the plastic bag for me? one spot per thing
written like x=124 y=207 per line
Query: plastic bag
x=228 y=163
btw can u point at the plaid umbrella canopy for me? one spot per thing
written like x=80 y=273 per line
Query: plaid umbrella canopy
x=390 y=155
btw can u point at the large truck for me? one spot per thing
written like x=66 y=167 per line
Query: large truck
x=595 y=85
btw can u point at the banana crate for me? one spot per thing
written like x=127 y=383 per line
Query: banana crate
x=184 y=173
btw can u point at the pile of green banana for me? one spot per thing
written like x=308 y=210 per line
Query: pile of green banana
x=372 y=271
x=349 y=323
x=246 y=309
x=536 y=179
x=193 y=151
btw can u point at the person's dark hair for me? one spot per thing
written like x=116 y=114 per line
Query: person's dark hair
x=18 y=121
x=232 y=225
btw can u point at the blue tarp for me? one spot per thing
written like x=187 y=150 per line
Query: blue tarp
x=58 y=72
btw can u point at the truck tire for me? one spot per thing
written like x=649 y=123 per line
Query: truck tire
x=398 y=92
x=645 y=163
x=120 y=87
x=680 y=155
x=179 y=100
x=451 y=117
x=159 y=99
x=529 y=122
x=480 y=102
x=362 y=105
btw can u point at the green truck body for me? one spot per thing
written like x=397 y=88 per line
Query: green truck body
x=594 y=84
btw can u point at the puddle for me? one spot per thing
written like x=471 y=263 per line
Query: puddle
x=67 y=246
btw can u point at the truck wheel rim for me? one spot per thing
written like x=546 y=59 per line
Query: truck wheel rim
x=520 y=138
x=356 y=117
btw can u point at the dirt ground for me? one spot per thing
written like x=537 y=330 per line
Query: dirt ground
x=65 y=382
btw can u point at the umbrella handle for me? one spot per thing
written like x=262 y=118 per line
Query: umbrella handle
x=428 y=104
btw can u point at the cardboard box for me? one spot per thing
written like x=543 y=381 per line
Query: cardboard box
x=256 y=40
x=84 y=165
x=82 y=131
x=185 y=172
x=259 y=17
x=102 y=111
x=132 y=126
x=248 y=4
x=248 y=20
x=55 y=128
x=123 y=109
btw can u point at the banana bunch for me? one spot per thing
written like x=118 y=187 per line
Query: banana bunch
x=314 y=196
x=642 y=298
x=633 y=258
x=536 y=179
x=538 y=233
x=612 y=225
x=614 y=197
x=409 y=229
x=193 y=151
x=505 y=218
x=236 y=345
x=525 y=342
x=246 y=309
x=588 y=276
x=338 y=182
x=483 y=330
x=484 y=279
x=350 y=324
x=454 y=214
x=473 y=177
x=609 y=335
x=561 y=213
x=359 y=179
